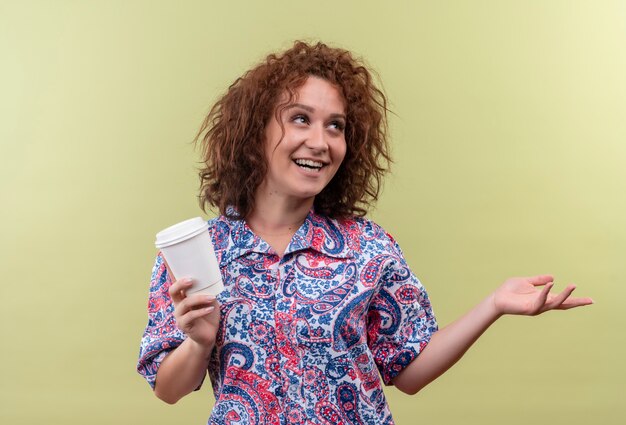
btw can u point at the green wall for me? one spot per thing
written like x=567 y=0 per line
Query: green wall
x=509 y=136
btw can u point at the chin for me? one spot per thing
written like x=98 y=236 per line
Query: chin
x=308 y=194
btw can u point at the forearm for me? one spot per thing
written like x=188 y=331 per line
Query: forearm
x=182 y=371
x=446 y=347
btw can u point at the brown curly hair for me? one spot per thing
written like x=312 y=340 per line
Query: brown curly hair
x=232 y=136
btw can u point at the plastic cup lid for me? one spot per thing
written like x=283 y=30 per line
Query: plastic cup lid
x=180 y=232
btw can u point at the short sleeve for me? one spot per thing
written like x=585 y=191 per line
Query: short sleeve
x=161 y=335
x=400 y=318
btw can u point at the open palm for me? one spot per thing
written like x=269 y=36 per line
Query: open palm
x=524 y=296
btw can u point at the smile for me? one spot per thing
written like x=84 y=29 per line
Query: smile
x=309 y=164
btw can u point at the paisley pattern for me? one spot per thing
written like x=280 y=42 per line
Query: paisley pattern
x=307 y=338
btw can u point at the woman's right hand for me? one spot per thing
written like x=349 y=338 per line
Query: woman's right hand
x=197 y=315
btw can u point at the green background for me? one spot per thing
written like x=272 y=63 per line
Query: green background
x=509 y=135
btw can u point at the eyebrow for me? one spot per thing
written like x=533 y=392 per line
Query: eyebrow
x=311 y=110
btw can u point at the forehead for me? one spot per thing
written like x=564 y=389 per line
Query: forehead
x=317 y=93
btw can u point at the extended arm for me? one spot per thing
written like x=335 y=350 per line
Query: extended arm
x=516 y=296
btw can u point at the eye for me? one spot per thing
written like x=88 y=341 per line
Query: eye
x=300 y=119
x=337 y=125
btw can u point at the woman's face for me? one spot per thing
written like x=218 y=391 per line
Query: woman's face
x=305 y=158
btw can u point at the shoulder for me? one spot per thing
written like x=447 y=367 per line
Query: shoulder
x=227 y=233
x=371 y=229
x=221 y=226
x=366 y=236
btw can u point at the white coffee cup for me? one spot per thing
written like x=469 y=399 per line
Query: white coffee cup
x=189 y=252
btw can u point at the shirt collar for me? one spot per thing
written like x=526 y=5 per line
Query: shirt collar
x=330 y=237
x=325 y=235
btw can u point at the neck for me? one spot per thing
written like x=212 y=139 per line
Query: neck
x=275 y=215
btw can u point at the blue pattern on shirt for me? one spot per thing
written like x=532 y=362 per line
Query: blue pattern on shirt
x=303 y=339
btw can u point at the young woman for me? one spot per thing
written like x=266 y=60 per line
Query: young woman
x=319 y=303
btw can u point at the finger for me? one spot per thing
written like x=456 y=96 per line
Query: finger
x=200 y=300
x=542 y=298
x=559 y=299
x=178 y=289
x=194 y=302
x=540 y=280
x=184 y=322
x=575 y=302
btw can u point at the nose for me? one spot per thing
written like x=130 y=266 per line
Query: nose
x=316 y=140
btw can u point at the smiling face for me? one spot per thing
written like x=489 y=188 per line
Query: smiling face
x=305 y=157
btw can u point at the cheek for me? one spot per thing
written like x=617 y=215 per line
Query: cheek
x=273 y=139
x=340 y=152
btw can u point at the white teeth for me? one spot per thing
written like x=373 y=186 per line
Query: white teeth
x=309 y=163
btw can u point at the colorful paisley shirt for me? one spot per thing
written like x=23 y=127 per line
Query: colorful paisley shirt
x=302 y=338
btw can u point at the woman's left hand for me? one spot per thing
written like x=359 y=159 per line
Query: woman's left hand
x=524 y=296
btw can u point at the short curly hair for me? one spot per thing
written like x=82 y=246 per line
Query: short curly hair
x=232 y=136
